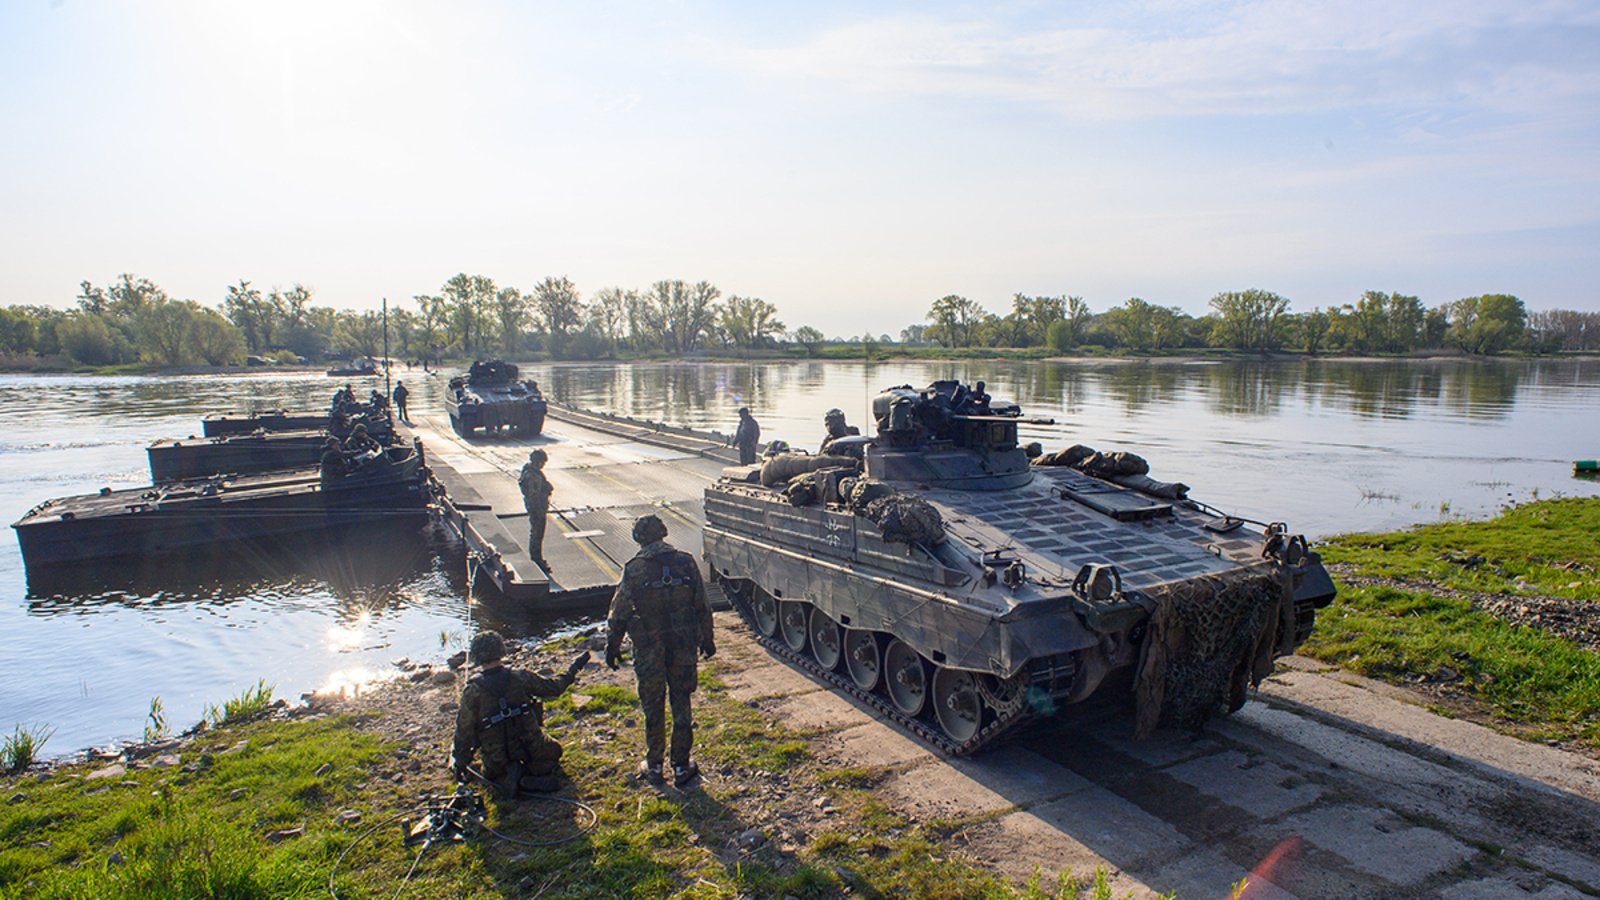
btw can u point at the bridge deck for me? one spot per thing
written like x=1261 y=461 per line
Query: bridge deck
x=605 y=472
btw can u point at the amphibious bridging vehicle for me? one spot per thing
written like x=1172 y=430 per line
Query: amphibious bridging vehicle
x=943 y=579
x=490 y=397
x=153 y=520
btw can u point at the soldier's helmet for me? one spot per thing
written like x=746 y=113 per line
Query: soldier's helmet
x=649 y=529
x=835 y=413
x=744 y=410
x=537 y=456
x=487 y=647
x=360 y=428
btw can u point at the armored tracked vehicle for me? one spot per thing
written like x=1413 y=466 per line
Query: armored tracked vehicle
x=963 y=591
x=490 y=397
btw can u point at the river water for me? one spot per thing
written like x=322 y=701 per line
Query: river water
x=1327 y=446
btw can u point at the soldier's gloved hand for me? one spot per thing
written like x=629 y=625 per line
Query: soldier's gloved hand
x=577 y=665
x=708 y=649
x=613 y=658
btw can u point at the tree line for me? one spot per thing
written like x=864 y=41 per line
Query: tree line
x=1257 y=320
x=133 y=320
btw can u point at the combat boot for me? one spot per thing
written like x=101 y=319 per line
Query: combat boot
x=651 y=773
x=684 y=775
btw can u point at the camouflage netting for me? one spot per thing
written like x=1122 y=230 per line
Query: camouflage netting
x=902 y=518
x=1208 y=638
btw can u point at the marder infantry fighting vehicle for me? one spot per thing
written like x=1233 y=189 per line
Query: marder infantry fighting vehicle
x=963 y=591
x=490 y=397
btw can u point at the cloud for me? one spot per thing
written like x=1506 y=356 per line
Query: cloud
x=1183 y=59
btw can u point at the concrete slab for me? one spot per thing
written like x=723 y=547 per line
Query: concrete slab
x=1251 y=783
x=962 y=789
x=1206 y=873
x=771 y=680
x=819 y=710
x=1114 y=828
x=1509 y=888
x=874 y=744
x=1020 y=776
x=1473 y=743
x=1022 y=844
x=1378 y=842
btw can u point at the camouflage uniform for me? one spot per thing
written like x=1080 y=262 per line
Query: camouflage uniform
x=746 y=437
x=502 y=720
x=838 y=428
x=536 y=491
x=661 y=602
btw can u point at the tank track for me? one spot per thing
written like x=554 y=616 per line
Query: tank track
x=986 y=737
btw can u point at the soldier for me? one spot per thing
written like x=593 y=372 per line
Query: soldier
x=834 y=421
x=536 y=491
x=400 y=395
x=333 y=464
x=359 y=443
x=746 y=436
x=501 y=716
x=980 y=400
x=661 y=602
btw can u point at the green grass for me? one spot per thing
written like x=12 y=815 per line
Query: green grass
x=19 y=749
x=252 y=703
x=1526 y=680
x=202 y=829
x=1551 y=546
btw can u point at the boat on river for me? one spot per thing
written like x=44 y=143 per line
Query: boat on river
x=279 y=420
x=240 y=454
x=160 y=519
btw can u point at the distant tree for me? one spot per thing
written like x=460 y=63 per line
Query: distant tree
x=953 y=321
x=748 y=321
x=560 y=310
x=1059 y=336
x=1487 y=324
x=16 y=331
x=510 y=317
x=432 y=325
x=684 y=313
x=253 y=314
x=809 y=338
x=608 y=315
x=1314 y=330
x=88 y=339
x=217 y=341
x=1247 y=320
x=914 y=334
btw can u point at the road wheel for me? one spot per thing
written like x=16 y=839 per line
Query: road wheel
x=956 y=703
x=827 y=644
x=792 y=615
x=764 y=610
x=906 y=677
x=862 y=660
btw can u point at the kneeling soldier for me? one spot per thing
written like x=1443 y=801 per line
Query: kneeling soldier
x=501 y=716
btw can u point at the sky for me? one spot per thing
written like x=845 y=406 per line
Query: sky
x=850 y=162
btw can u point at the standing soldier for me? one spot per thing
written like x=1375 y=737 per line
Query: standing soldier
x=661 y=602
x=746 y=436
x=536 y=491
x=400 y=395
x=501 y=716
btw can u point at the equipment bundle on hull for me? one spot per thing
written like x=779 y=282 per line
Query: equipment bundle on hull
x=965 y=585
x=240 y=483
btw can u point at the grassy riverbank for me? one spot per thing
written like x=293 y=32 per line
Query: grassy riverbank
x=266 y=809
x=1490 y=620
x=1497 y=621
